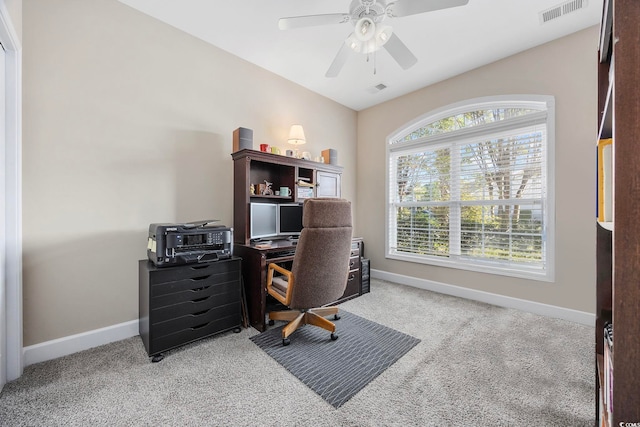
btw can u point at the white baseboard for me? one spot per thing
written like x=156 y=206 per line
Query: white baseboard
x=72 y=344
x=547 y=310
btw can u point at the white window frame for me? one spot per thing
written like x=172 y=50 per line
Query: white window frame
x=547 y=272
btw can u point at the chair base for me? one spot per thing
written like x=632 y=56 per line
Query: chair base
x=312 y=316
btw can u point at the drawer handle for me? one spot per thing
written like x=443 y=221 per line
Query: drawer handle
x=193 y=328
x=352 y=263
x=195 y=279
x=201 y=299
x=200 y=313
x=200 y=289
x=351 y=277
x=199 y=267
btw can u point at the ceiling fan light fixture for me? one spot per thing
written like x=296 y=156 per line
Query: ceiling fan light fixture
x=353 y=42
x=369 y=46
x=383 y=34
x=365 y=29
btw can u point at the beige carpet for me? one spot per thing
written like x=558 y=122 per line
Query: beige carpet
x=476 y=365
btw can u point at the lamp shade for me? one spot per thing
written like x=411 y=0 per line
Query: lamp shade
x=296 y=135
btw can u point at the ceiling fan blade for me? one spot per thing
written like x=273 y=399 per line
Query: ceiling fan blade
x=312 y=20
x=338 y=61
x=413 y=7
x=400 y=52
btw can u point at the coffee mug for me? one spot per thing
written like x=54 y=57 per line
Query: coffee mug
x=264 y=147
x=285 y=191
x=289 y=153
x=275 y=150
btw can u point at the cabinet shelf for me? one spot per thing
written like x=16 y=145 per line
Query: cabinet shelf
x=258 y=196
x=607 y=225
x=251 y=167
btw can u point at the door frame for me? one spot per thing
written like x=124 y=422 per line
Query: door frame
x=13 y=359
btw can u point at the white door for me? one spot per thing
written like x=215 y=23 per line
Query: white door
x=3 y=243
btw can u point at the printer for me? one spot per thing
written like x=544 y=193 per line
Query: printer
x=194 y=242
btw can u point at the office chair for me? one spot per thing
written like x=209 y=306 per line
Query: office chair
x=320 y=268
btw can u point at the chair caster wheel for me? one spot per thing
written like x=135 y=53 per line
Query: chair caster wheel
x=285 y=342
x=271 y=322
x=333 y=337
x=336 y=317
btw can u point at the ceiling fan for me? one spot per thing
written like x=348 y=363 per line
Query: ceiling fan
x=370 y=32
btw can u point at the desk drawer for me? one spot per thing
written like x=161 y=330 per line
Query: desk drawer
x=189 y=290
x=158 y=275
x=199 y=305
x=193 y=283
x=193 y=333
x=197 y=320
x=354 y=263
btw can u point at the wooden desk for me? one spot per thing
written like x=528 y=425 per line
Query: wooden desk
x=254 y=272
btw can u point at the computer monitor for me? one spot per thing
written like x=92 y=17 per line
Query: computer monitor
x=289 y=219
x=264 y=220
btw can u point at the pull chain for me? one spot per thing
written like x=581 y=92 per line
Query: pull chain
x=374 y=63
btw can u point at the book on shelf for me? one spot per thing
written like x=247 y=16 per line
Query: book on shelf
x=302 y=183
x=605 y=180
x=608 y=369
x=305 y=192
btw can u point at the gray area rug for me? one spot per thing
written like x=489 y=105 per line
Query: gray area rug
x=337 y=370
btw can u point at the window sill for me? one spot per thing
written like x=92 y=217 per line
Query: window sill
x=480 y=267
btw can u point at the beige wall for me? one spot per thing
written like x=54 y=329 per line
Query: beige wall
x=14 y=7
x=127 y=122
x=566 y=69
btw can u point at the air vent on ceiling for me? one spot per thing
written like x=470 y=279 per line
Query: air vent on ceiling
x=377 y=88
x=561 y=10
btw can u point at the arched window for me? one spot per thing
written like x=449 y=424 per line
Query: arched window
x=469 y=186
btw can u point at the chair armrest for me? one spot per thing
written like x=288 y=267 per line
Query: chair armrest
x=274 y=293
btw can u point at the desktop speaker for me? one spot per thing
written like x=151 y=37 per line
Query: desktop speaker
x=330 y=156
x=242 y=139
x=364 y=271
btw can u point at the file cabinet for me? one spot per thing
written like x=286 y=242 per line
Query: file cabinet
x=182 y=304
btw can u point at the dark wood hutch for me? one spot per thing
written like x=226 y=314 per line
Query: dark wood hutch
x=306 y=179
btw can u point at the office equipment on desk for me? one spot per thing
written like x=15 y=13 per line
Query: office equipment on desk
x=251 y=167
x=188 y=243
x=320 y=268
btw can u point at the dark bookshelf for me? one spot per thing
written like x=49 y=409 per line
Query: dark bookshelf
x=618 y=242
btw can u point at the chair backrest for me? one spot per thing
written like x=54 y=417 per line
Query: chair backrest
x=321 y=263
